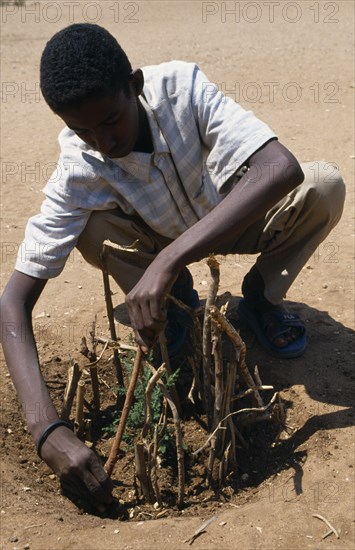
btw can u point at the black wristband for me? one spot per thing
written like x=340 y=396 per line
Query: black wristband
x=47 y=432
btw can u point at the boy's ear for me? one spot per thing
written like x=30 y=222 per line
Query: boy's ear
x=137 y=81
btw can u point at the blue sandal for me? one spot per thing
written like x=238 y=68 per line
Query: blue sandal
x=283 y=322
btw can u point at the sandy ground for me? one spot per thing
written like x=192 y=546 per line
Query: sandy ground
x=290 y=62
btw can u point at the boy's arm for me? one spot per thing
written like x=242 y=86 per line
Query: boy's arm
x=273 y=173
x=68 y=457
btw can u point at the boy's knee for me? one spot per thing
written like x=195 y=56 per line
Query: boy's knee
x=326 y=188
x=91 y=240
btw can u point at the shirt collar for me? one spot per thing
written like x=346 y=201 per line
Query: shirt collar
x=159 y=143
x=143 y=160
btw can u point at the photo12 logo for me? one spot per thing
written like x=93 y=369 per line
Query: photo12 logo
x=272 y=92
x=271 y=12
x=70 y=12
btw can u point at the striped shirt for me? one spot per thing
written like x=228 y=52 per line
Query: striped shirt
x=201 y=140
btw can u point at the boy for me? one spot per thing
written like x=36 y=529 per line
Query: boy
x=161 y=156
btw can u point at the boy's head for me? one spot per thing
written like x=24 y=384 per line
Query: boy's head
x=87 y=79
x=82 y=61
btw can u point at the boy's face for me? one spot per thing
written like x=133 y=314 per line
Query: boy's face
x=109 y=124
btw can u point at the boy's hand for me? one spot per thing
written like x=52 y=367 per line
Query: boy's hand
x=75 y=464
x=78 y=468
x=146 y=303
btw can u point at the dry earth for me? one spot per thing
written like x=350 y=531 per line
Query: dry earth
x=291 y=62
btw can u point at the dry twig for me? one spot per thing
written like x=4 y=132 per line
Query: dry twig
x=154 y=469
x=148 y=396
x=194 y=361
x=79 y=411
x=91 y=355
x=166 y=361
x=112 y=459
x=240 y=349
x=200 y=530
x=74 y=374
x=196 y=385
x=249 y=391
x=206 y=337
x=141 y=471
x=109 y=306
x=178 y=439
x=153 y=453
x=332 y=529
x=218 y=400
x=235 y=413
x=93 y=372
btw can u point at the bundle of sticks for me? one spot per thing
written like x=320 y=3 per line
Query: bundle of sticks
x=221 y=379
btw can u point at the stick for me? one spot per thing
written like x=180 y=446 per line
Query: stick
x=227 y=381
x=35 y=525
x=239 y=436
x=260 y=410
x=95 y=391
x=91 y=355
x=322 y=518
x=206 y=336
x=125 y=248
x=79 y=412
x=109 y=308
x=256 y=376
x=92 y=336
x=196 y=385
x=115 y=344
x=84 y=350
x=163 y=420
x=201 y=529
x=178 y=439
x=148 y=396
x=330 y=532
x=194 y=313
x=181 y=304
x=93 y=371
x=153 y=452
x=94 y=363
x=166 y=361
x=154 y=469
x=141 y=471
x=240 y=348
x=112 y=459
x=218 y=385
x=197 y=357
x=223 y=465
x=55 y=381
x=249 y=391
x=103 y=381
x=230 y=384
x=74 y=374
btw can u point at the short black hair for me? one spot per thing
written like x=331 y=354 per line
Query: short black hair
x=82 y=61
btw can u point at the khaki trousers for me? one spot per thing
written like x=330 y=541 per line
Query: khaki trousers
x=286 y=237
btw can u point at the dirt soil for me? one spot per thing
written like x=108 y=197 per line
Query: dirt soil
x=292 y=64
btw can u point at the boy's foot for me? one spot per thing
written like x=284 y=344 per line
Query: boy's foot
x=280 y=332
